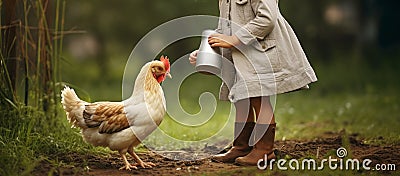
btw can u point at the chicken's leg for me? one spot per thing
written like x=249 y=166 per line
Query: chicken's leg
x=127 y=165
x=139 y=162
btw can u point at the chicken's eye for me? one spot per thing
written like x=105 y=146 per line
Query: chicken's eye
x=158 y=69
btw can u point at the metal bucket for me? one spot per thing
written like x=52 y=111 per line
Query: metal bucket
x=208 y=58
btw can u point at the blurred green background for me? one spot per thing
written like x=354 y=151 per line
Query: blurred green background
x=358 y=34
x=353 y=45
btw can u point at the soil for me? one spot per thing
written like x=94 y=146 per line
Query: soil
x=319 y=148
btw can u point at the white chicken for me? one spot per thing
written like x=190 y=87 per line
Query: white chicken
x=122 y=125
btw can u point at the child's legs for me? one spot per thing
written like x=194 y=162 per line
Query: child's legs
x=259 y=106
x=244 y=111
x=263 y=110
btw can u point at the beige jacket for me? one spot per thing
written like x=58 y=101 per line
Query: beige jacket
x=269 y=42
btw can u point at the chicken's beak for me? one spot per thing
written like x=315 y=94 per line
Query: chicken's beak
x=169 y=75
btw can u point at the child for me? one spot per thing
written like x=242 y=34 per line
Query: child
x=268 y=60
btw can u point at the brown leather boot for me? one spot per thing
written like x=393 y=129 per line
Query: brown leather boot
x=240 y=146
x=262 y=147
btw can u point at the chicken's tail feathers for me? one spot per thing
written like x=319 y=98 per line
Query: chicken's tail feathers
x=73 y=107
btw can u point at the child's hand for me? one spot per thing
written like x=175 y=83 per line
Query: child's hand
x=193 y=57
x=224 y=41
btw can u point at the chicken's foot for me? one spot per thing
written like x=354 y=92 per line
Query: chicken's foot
x=139 y=162
x=127 y=165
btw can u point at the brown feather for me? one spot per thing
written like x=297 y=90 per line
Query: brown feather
x=109 y=117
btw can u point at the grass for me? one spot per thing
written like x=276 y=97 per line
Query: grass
x=353 y=103
x=31 y=130
x=356 y=100
x=28 y=138
x=366 y=114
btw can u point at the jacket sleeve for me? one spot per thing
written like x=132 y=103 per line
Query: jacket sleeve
x=266 y=14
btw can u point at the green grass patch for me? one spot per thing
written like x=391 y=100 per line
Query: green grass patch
x=372 y=115
x=355 y=99
x=368 y=105
x=28 y=137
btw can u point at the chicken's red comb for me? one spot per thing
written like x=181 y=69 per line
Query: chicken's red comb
x=165 y=60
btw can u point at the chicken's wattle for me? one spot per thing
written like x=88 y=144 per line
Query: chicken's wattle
x=159 y=78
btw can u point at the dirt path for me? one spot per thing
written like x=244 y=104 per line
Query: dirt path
x=325 y=145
